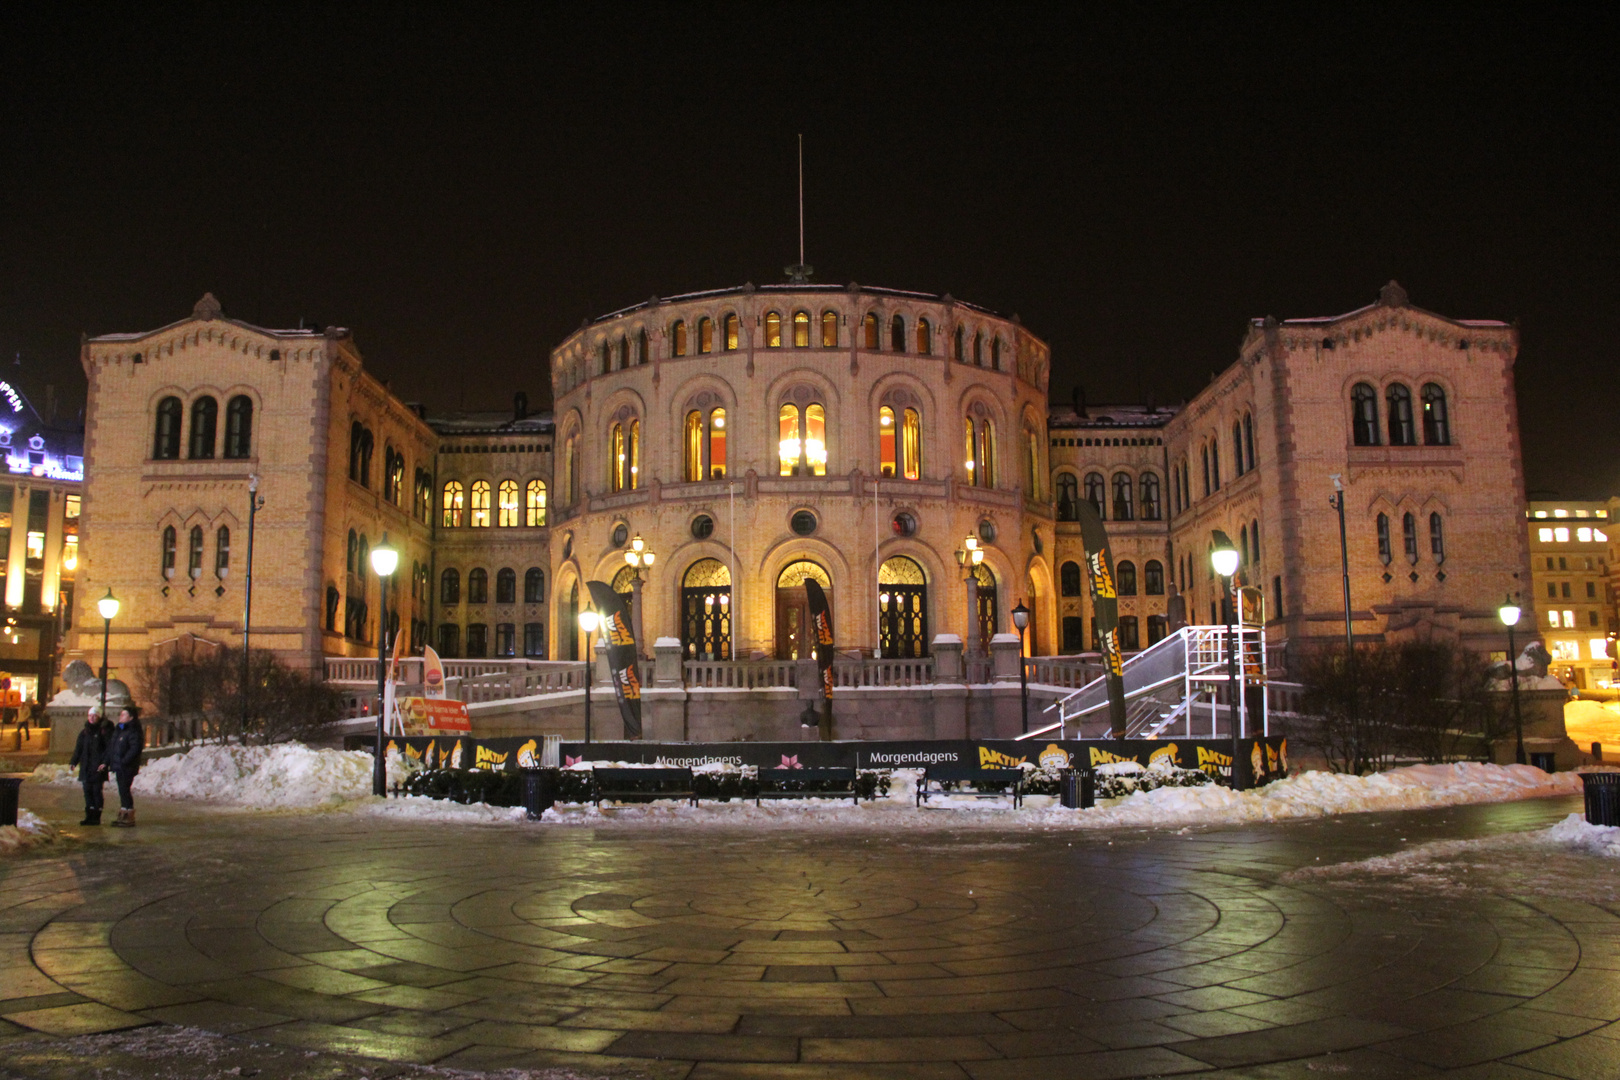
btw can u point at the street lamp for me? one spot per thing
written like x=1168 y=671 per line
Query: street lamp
x=589 y=620
x=968 y=557
x=255 y=503
x=1020 y=618
x=639 y=557
x=108 y=606
x=1336 y=500
x=1224 y=558
x=1509 y=614
x=384 y=561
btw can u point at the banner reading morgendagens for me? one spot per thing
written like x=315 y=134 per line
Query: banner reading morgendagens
x=1104 y=610
x=621 y=654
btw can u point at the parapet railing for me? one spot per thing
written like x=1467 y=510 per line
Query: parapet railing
x=875 y=671
x=741 y=674
x=363 y=669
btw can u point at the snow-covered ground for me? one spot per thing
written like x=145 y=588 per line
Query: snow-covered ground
x=30 y=831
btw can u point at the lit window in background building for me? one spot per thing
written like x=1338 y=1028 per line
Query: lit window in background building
x=1561 y=535
x=1583 y=535
x=1560 y=513
x=1599 y=648
x=1569 y=619
x=1545 y=536
x=1565 y=651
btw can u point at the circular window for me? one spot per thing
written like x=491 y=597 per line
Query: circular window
x=987 y=531
x=621 y=534
x=702 y=527
x=905 y=523
x=803 y=522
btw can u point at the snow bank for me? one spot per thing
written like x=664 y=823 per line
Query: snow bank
x=30 y=831
x=1575 y=833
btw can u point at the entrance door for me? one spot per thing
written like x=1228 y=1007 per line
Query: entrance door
x=902 y=609
x=794 y=638
x=706 y=611
x=987 y=606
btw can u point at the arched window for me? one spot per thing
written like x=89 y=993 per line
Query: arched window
x=534 y=514
x=204 y=418
x=1153 y=577
x=454 y=503
x=571 y=468
x=1254 y=538
x=995 y=353
x=1096 y=493
x=510 y=509
x=622 y=354
x=979 y=440
x=1384 y=554
x=222 y=551
x=801 y=329
x=704 y=445
x=1124 y=510
x=1215 y=464
x=1204 y=452
x=478 y=505
x=1125 y=578
x=450 y=586
x=732 y=333
x=534 y=586
x=773 y=330
x=677 y=338
x=534 y=640
x=902 y=609
x=166 y=565
x=1436 y=424
x=899 y=443
x=961 y=347
x=1152 y=507
x=1069 y=579
x=869 y=331
x=1237 y=446
x=333 y=598
x=1243 y=543
x=624 y=455
x=829 y=329
x=506 y=585
x=802 y=446
x=1158 y=628
x=978 y=348
x=641 y=347
x=354 y=551
x=1364 y=414
x=897 y=334
x=925 y=338
x=1409 y=538
x=888 y=443
x=357 y=434
x=1032 y=463
x=1399 y=400
x=607 y=356
x=422 y=503
x=1248 y=440
x=166 y=431
x=705 y=334
x=239 y=427
x=194 y=552
x=478 y=585
x=1068 y=497
x=1437 y=538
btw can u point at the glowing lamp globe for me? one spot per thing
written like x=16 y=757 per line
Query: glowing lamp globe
x=384 y=560
x=108 y=606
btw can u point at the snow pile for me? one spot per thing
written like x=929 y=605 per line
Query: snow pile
x=283 y=776
x=30 y=831
x=1577 y=834
x=47 y=773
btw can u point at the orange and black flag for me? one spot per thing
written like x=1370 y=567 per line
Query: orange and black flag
x=621 y=653
x=1104 y=610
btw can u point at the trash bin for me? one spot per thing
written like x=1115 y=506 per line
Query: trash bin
x=1077 y=789
x=10 y=787
x=1602 y=797
x=539 y=791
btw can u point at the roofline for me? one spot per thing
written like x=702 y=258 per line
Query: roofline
x=1326 y=320
x=750 y=288
x=141 y=335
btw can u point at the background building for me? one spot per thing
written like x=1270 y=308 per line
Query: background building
x=1569 y=571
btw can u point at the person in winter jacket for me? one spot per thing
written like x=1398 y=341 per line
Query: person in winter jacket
x=90 y=755
x=124 y=759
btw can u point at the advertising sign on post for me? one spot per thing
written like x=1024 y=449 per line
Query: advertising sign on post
x=432 y=673
x=822 y=635
x=434 y=716
x=621 y=654
x=1105 y=610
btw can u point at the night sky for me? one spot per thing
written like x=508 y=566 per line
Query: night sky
x=462 y=188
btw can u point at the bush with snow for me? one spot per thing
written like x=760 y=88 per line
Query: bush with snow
x=30 y=831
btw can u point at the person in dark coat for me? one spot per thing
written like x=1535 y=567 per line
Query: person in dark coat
x=124 y=759
x=90 y=755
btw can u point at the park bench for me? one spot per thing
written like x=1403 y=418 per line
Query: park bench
x=831 y=783
x=935 y=777
x=642 y=785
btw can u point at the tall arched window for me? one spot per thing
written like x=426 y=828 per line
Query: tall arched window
x=1237 y=446
x=1384 y=553
x=899 y=443
x=1215 y=463
x=1124 y=510
x=1204 y=452
x=869 y=331
x=478 y=505
x=1437 y=538
x=510 y=508
x=641 y=347
x=979 y=440
x=829 y=329
x=1032 y=463
x=1409 y=537
x=705 y=328
x=995 y=354
x=925 y=338
x=1243 y=543
x=978 y=348
x=622 y=354
x=166 y=431
x=454 y=502
x=239 y=427
x=1096 y=493
x=1364 y=414
x=624 y=455
x=166 y=560
x=570 y=469
x=897 y=334
x=506 y=585
x=773 y=330
x=1254 y=538
x=222 y=551
x=888 y=443
x=422 y=501
x=534 y=513
x=606 y=356
x=194 y=552
x=961 y=346
x=677 y=338
x=534 y=586
x=450 y=586
x=204 y=419
x=704 y=445
x=1436 y=423
x=1153 y=577
x=1125 y=578
x=478 y=585
x=1248 y=440
x=1399 y=400
x=801 y=329
x=732 y=334
x=353 y=551
x=790 y=445
x=1068 y=497
x=1152 y=507
x=1069 y=579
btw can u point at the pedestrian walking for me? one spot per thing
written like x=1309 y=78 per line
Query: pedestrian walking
x=90 y=755
x=124 y=759
x=25 y=716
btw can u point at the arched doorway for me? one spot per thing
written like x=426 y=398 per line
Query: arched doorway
x=793 y=640
x=706 y=611
x=987 y=606
x=902 y=609
x=568 y=620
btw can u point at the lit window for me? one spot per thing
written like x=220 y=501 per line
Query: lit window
x=788 y=433
x=1600 y=536
x=454 y=495
x=1583 y=535
x=1552 y=619
x=732 y=327
x=677 y=336
x=1583 y=513
x=869 y=330
x=717 y=444
x=911 y=445
x=773 y=330
x=887 y=436
x=1541 y=513
x=815 y=439
x=1561 y=535
x=1561 y=513
x=1544 y=535
x=479 y=504
x=1599 y=648
x=705 y=335
x=1569 y=619
x=509 y=504
x=535 y=515
x=829 y=329
x=801 y=329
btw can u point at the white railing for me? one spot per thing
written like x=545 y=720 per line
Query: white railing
x=363 y=669
x=554 y=678
x=741 y=674
x=1069 y=672
x=876 y=671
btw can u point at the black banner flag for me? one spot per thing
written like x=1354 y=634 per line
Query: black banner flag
x=822 y=635
x=621 y=653
x=1104 y=610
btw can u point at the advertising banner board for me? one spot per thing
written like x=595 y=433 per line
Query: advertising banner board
x=432 y=673
x=621 y=654
x=1105 y=609
x=434 y=716
x=821 y=625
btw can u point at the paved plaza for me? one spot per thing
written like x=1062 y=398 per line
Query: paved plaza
x=970 y=952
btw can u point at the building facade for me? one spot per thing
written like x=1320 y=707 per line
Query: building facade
x=1569 y=571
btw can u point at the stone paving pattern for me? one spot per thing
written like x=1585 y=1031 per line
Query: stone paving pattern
x=698 y=954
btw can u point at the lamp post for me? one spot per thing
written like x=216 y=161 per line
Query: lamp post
x=589 y=620
x=968 y=557
x=1224 y=558
x=1336 y=500
x=1509 y=614
x=108 y=606
x=1020 y=618
x=254 y=502
x=384 y=560
x=639 y=557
